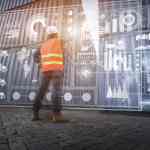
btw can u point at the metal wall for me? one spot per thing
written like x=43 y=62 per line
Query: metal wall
x=118 y=80
x=20 y=76
x=10 y=4
x=124 y=34
x=6 y=5
x=18 y=21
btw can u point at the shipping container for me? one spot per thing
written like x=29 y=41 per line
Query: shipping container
x=106 y=53
x=11 y=4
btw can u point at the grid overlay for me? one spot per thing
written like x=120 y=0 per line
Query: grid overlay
x=118 y=80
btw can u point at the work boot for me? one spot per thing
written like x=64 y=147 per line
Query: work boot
x=58 y=118
x=35 y=116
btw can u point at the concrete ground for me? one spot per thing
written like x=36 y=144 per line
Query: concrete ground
x=87 y=130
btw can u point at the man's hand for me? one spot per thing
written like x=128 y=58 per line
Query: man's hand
x=37 y=57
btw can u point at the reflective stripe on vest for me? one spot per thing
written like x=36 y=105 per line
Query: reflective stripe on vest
x=52 y=55
x=53 y=63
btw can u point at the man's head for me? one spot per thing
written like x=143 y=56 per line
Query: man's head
x=52 y=35
x=52 y=32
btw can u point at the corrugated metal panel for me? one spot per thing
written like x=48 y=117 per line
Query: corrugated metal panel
x=16 y=31
x=85 y=83
x=23 y=75
x=15 y=25
x=10 y=4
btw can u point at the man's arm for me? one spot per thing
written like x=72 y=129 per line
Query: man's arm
x=37 y=56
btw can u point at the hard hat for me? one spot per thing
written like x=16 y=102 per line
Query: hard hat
x=51 y=29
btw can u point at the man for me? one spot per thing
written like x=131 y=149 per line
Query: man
x=51 y=60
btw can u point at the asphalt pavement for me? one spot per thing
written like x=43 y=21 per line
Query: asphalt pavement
x=87 y=130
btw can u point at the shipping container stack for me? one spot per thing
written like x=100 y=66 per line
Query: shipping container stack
x=23 y=27
x=106 y=67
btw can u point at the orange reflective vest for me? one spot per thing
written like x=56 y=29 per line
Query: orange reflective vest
x=52 y=55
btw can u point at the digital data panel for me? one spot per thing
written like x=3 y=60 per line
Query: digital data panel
x=108 y=71
x=120 y=76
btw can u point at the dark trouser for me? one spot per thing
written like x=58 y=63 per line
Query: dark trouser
x=56 y=79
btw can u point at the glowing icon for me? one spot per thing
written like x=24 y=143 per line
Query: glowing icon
x=125 y=92
x=23 y=54
x=34 y=81
x=4 y=53
x=3 y=68
x=33 y=50
x=48 y=96
x=2 y=96
x=16 y=95
x=121 y=45
x=68 y=97
x=117 y=61
x=31 y=24
x=70 y=29
x=85 y=73
x=13 y=33
x=86 y=97
x=109 y=93
x=117 y=92
x=114 y=25
x=2 y=82
x=70 y=13
x=130 y=18
x=102 y=16
x=27 y=68
x=84 y=48
x=32 y=96
x=148 y=89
